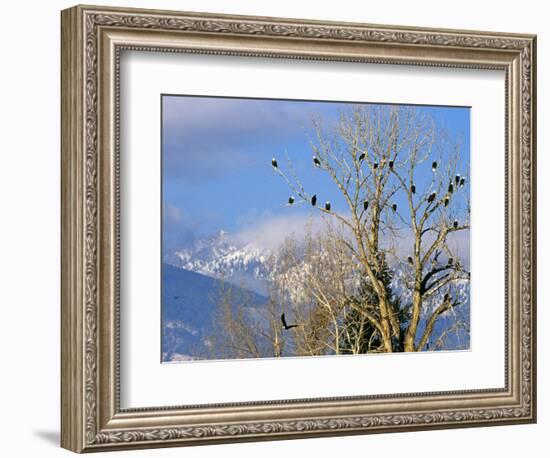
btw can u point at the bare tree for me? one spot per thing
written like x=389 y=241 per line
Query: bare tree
x=339 y=283
x=373 y=158
x=243 y=328
x=312 y=277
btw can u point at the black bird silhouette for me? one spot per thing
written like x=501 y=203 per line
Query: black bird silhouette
x=361 y=157
x=410 y=260
x=290 y=200
x=450 y=189
x=447 y=297
x=285 y=325
x=434 y=166
x=274 y=163
x=365 y=205
x=431 y=197
x=314 y=200
x=446 y=202
x=327 y=206
x=455 y=224
x=394 y=207
x=316 y=161
x=375 y=165
x=462 y=181
x=391 y=164
x=413 y=189
x=450 y=262
x=457 y=179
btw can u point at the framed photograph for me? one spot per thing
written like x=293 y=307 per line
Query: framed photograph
x=278 y=228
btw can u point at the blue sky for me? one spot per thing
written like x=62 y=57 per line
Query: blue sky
x=216 y=155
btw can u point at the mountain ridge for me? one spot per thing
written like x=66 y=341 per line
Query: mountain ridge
x=222 y=256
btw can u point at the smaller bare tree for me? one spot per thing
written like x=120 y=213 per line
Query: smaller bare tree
x=242 y=328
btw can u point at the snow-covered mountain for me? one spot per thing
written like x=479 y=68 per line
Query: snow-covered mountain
x=221 y=256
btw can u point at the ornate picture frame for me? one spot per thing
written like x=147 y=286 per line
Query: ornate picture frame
x=93 y=39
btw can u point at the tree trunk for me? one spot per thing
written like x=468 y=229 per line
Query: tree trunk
x=415 y=318
x=386 y=336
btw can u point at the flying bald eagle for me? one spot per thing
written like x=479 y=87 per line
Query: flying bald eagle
x=274 y=163
x=316 y=161
x=286 y=326
x=314 y=200
x=327 y=206
x=434 y=166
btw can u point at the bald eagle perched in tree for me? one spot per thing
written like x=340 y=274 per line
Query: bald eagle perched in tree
x=434 y=166
x=462 y=181
x=446 y=201
x=457 y=179
x=391 y=165
x=394 y=207
x=375 y=165
x=327 y=206
x=455 y=224
x=274 y=163
x=431 y=197
x=413 y=189
x=365 y=205
x=314 y=200
x=290 y=200
x=316 y=161
x=410 y=260
x=450 y=189
x=361 y=156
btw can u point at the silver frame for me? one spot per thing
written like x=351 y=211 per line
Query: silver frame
x=92 y=40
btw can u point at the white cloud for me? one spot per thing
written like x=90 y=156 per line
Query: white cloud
x=272 y=230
